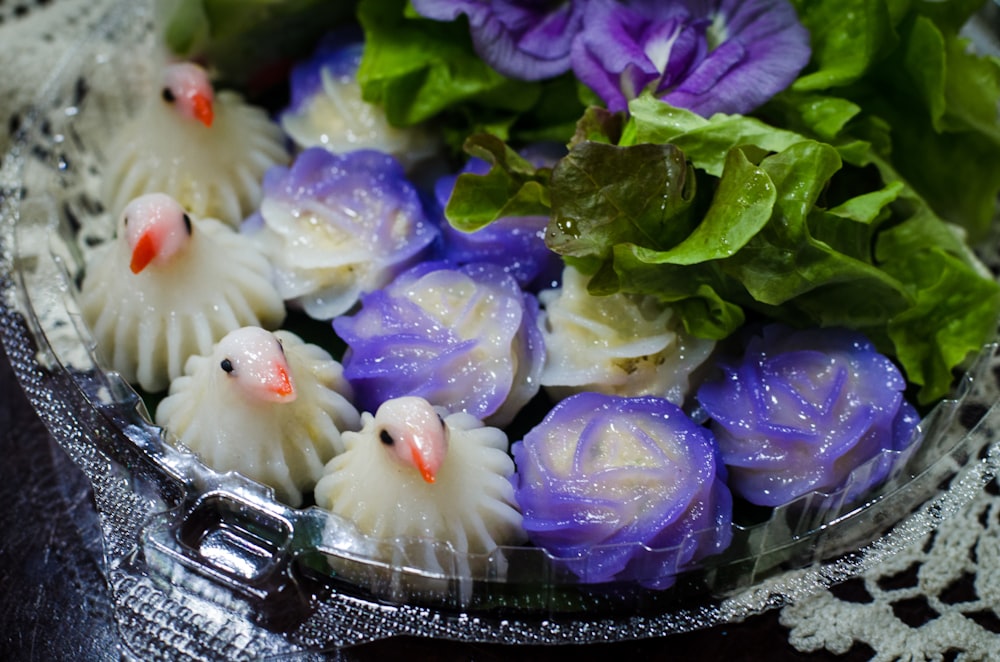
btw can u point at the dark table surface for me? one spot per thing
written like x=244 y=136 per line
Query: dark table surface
x=55 y=604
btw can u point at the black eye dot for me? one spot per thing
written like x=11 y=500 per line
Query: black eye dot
x=227 y=366
x=187 y=223
x=126 y=220
x=386 y=438
x=168 y=95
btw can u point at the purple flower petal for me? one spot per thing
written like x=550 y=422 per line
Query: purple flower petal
x=449 y=10
x=602 y=477
x=522 y=39
x=803 y=409
x=610 y=53
x=712 y=56
x=773 y=46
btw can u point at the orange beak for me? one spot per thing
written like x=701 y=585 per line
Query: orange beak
x=202 y=106
x=143 y=253
x=282 y=385
x=425 y=470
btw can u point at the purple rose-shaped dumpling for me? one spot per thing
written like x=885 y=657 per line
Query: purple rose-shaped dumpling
x=803 y=409
x=465 y=339
x=338 y=225
x=522 y=39
x=622 y=488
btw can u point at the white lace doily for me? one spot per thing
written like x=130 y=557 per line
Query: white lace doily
x=937 y=599
x=35 y=34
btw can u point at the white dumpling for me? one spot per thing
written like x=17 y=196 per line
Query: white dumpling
x=209 y=151
x=410 y=474
x=170 y=285
x=619 y=344
x=266 y=405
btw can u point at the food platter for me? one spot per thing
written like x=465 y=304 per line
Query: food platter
x=191 y=551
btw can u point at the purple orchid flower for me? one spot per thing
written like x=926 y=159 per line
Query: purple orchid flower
x=622 y=489
x=521 y=39
x=465 y=339
x=709 y=56
x=802 y=410
x=516 y=243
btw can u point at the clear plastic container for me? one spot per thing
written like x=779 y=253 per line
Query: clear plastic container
x=212 y=565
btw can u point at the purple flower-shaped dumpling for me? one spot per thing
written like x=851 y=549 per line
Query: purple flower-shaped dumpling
x=709 y=56
x=326 y=108
x=516 y=243
x=464 y=338
x=337 y=55
x=602 y=478
x=337 y=225
x=521 y=39
x=803 y=409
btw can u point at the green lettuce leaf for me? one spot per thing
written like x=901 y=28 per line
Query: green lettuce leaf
x=512 y=187
x=943 y=116
x=847 y=37
x=910 y=86
x=705 y=142
x=771 y=244
x=604 y=195
x=707 y=303
x=951 y=15
x=955 y=310
x=415 y=68
x=742 y=205
x=687 y=275
x=420 y=70
x=831 y=119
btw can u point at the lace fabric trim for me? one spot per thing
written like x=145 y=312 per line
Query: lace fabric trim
x=928 y=602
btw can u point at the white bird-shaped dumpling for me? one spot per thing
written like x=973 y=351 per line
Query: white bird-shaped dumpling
x=411 y=474
x=209 y=151
x=266 y=405
x=171 y=285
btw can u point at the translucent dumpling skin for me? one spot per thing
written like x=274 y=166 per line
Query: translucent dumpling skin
x=469 y=504
x=803 y=409
x=619 y=344
x=327 y=110
x=465 y=339
x=336 y=226
x=212 y=171
x=268 y=406
x=147 y=324
x=602 y=478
